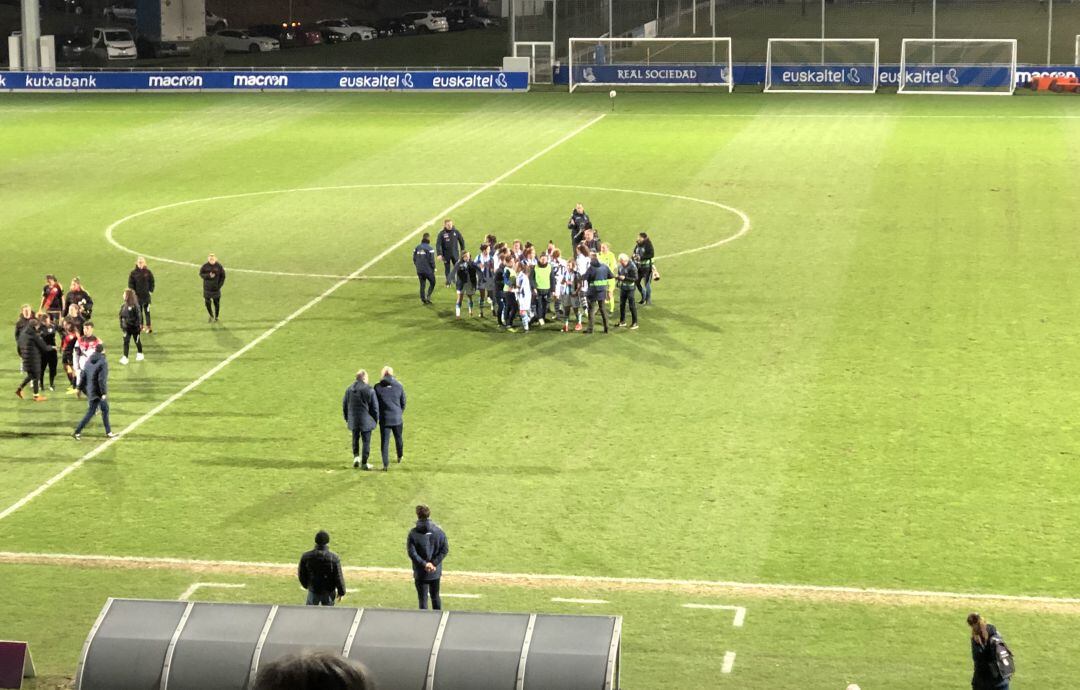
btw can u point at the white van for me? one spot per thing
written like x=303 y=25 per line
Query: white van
x=113 y=44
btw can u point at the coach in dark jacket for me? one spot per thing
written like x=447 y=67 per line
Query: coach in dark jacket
x=95 y=377
x=32 y=350
x=391 y=414
x=361 y=409
x=427 y=546
x=449 y=246
x=213 y=277
x=320 y=573
x=141 y=280
x=423 y=258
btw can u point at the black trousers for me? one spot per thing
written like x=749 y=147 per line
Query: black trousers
x=448 y=266
x=357 y=437
x=627 y=297
x=215 y=302
x=422 y=590
x=49 y=363
x=385 y=431
x=128 y=336
x=33 y=375
x=427 y=285
x=598 y=303
x=144 y=307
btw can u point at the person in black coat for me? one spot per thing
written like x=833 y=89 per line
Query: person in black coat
x=52 y=299
x=213 y=277
x=627 y=278
x=423 y=258
x=47 y=330
x=427 y=546
x=448 y=247
x=391 y=396
x=598 y=278
x=579 y=221
x=141 y=280
x=643 y=258
x=360 y=407
x=986 y=675
x=320 y=573
x=131 y=325
x=95 y=378
x=32 y=349
x=80 y=298
x=26 y=314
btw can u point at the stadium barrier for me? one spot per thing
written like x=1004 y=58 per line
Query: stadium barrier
x=181 y=645
x=888 y=75
x=278 y=80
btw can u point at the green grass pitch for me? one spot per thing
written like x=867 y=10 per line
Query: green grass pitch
x=874 y=385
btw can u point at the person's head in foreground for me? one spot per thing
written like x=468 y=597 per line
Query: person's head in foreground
x=313 y=671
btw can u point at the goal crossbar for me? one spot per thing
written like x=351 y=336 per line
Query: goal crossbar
x=655 y=62
x=958 y=77
x=822 y=68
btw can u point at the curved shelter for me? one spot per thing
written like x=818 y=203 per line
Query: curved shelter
x=175 y=645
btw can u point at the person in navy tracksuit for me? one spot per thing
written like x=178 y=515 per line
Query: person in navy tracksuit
x=391 y=396
x=448 y=247
x=360 y=408
x=423 y=258
x=427 y=546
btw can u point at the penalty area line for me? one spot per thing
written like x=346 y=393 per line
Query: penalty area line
x=98 y=450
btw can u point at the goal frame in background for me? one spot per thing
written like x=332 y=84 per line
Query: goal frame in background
x=902 y=79
x=1076 y=55
x=823 y=42
x=528 y=49
x=719 y=42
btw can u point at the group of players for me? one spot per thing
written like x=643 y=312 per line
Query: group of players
x=518 y=283
x=68 y=317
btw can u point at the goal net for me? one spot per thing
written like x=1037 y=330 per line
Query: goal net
x=958 y=66
x=650 y=62
x=815 y=65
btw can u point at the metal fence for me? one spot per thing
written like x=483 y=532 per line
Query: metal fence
x=1046 y=30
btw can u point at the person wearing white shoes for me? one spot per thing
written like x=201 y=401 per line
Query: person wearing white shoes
x=391 y=396
x=131 y=323
x=360 y=408
x=96 y=379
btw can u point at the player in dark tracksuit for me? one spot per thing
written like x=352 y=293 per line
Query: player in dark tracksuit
x=213 y=277
x=579 y=221
x=597 y=279
x=423 y=258
x=32 y=349
x=448 y=247
x=131 y=325
x=47 y=330
x=141 y=280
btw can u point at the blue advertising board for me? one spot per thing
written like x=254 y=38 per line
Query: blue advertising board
x=808 y=75
x=419 y=80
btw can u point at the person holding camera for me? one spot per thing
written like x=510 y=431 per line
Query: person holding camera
x=80 y=298
x=643 y=257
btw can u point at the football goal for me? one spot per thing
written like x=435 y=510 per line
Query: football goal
x=971 y=67
x=650 y=62
x=821 y=65
x=1076 y=54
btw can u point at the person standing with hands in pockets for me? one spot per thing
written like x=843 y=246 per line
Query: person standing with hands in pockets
x=213 y=277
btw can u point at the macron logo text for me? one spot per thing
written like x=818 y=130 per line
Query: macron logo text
x=176 y=81
x=260 y=80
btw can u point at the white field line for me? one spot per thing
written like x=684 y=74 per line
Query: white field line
x=190 y=591
x=110 y=230
x=198 y=564
x=288 y=319
x=740 y=611
x=729 y=662
x=560 y=600
x=447 y=595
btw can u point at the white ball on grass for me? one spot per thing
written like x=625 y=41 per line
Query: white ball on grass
x=611 y=94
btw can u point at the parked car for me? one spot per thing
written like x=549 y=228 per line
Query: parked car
x=71 y=47
x=215 y=23
x=460 y=18
x=282 y=33
x=431 y=21
x=394 y=26
x=351 y=32
x=306 y=34
x=236 y=41
x=123 y=11
x=331 y=37
x=113 y=44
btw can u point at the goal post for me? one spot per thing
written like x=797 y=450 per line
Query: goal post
x=1076 y=53
x=541 y=56
x=958 y=66
x=822 y=65
x=664 y=62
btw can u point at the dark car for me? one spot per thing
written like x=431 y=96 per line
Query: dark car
x=308 y=34
x=329 y=36
x=288 y=35
x=461 y=18
x=71 y=47
x=394 y=26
